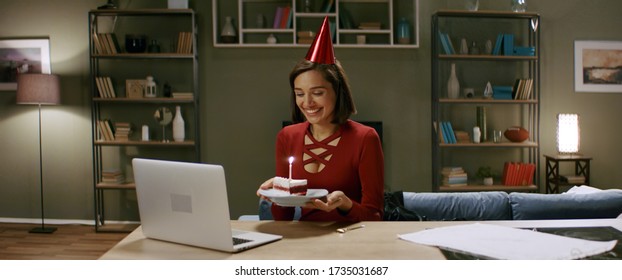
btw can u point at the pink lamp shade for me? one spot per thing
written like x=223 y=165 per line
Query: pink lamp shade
x=38 y=89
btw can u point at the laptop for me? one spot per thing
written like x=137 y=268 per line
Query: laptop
x=187 y=203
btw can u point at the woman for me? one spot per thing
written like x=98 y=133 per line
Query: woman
x=332 y=152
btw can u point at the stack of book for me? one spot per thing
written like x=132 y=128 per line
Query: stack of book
x=305 y=37
x=454 y=176
x=573 y=179
x=518 y=174
x=113 y=176
x=122 y=131
x=370 y=25
x=183 y=95
x=184 y=43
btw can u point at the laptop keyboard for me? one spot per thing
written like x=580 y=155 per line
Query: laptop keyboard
x=237 y=241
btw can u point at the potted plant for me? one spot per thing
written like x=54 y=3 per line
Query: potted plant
x=486 y=174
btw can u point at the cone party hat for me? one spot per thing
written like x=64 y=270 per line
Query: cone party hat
x=321 y=50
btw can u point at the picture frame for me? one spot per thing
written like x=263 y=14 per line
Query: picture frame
x=598 y=66
x=135 y=88
x=17 y=56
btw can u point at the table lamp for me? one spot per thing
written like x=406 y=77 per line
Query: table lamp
x=568 y=133
x=39 y=89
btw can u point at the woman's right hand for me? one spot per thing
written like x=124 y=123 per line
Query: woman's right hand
x=265 y=186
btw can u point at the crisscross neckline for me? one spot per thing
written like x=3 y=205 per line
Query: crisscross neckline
x=319 y=152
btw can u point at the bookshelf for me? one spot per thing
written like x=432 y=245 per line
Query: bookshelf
x=377 y=20
x=475 y=68
x=118 y=77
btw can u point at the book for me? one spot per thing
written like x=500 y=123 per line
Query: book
x=452 y=50
x=110 y=89
x=498 y=43
x=327 y=6
x=508 y=44
x=451 y=133
x=445 y=133
x=285 y=17
x=444 y=43
x=277 y=17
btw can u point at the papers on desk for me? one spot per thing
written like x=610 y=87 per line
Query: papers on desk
x=501 y=242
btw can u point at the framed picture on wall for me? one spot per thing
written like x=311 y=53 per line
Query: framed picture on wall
x=598 y=66
x=22 y=56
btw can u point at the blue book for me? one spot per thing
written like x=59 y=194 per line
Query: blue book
x=451 y=46
x=443 y=42
x=508 y=44
x=444 y=131
x=497 y=48
x=451 y=133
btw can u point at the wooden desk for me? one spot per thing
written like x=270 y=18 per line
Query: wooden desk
x=318 y=241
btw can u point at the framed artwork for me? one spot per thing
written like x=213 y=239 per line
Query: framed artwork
x=598 y=66
x=22 y=56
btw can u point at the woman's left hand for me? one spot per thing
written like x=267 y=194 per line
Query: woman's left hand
x=334 y=200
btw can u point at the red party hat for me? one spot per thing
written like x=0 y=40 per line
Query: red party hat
x=321 y=50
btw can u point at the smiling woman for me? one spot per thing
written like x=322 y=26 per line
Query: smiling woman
x=338 y=155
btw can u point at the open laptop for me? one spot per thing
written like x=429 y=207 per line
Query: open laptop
x=187 y=203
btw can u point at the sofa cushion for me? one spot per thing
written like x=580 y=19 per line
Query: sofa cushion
x=472 y=206
x=533 y=206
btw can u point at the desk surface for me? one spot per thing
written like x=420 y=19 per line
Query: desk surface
x=317 y=241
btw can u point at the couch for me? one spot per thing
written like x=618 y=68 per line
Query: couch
x=497 y=205
x=479 y=206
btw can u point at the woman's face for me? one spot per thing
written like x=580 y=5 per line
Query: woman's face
x=315 y=97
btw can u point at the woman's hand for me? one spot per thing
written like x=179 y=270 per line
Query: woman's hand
x=265 y=186
x=334 y=200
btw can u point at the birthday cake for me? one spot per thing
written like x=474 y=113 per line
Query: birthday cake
x=291 y=187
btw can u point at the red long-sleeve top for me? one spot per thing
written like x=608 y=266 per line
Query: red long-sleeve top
x=355 y=168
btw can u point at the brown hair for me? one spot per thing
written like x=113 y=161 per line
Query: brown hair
x=334 y=74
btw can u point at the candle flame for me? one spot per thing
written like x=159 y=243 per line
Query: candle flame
x=291 y=160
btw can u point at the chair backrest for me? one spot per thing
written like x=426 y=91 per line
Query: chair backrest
x=377 y=125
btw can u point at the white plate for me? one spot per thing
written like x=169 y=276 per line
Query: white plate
x=283 y=199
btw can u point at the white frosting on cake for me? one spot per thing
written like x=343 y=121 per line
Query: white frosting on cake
x=284 y=185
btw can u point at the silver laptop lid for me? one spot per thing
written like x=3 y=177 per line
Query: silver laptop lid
x=183 y=202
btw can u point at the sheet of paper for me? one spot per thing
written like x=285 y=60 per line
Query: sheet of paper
x=502 y=242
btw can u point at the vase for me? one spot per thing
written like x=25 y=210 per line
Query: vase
x=403 y=31
x=481 y=122
x=150 y=87
x=518 y=6
x=476 y=134
x=228 y=34
x=471 y=5
x=179 y=132
x=488 y=181
x=271 y=39
x=453 y=86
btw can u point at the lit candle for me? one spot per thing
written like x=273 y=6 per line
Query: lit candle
x=291 y=160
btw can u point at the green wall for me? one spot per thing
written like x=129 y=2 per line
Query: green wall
x=244 y=98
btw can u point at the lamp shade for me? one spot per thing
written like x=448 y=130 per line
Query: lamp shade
x=38 y=89
x=568 y=133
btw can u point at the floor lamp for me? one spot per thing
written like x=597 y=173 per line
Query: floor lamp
x=39 y=89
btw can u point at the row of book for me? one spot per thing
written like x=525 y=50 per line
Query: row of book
x=184 y=43
x=504 y=45
x=104 y=87
x=518 y=174
x=106 y=43
x=119 y=131
x=454 y=176
x=283 y=17
x=448 y=135
x=446 y=44
x=522 y=90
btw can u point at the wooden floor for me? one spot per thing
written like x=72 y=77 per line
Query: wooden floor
x=69 y=242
